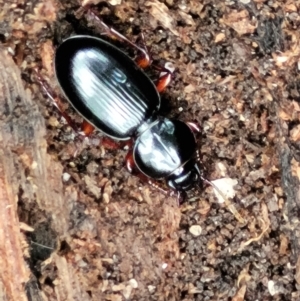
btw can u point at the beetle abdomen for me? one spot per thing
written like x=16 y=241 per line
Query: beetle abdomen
x=105 y=86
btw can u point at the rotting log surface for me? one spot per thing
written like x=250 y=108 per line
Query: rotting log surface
x=14 y=272
x=30 y=180
x=33 y=203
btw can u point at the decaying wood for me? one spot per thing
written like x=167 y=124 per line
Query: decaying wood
x=14 y=271
x=27 y=176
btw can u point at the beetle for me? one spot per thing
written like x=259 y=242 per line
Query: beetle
x=109 y=90
x=113 y=94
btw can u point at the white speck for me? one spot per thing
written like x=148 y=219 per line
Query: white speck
x=10 y=50
x=182 y=6
x=196 y=230
x=231 y=111
x=271 y=287
x=115 y=2
x=66 y=177
x=180 y=109
x=151 y=289
x=34 y=165
x=164 y=266
x=133 y=283
x=170 y=66
x=72 y=164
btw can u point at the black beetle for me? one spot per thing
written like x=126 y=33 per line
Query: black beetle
x=112 y=93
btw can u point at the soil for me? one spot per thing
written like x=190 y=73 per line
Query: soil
x=85 y=228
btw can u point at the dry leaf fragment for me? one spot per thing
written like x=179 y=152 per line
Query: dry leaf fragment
x=295 y=168
x=295 y=133
x=189 y=88
x=160 y=12
x=223 y=189
x=26 y=228
x=225 y=185
x=240 y=22
x=244 y=276
x=95 y=2
x=47 y=54
x=118 y=287
x=285 y=115
x=283 y=244
x=192 y=289
x=297 y=274
x=92 y=186
x=114 y=297
x=187 y=18
x=219 y=37
x=240 y=295
x=265 y=221
x=222 y=169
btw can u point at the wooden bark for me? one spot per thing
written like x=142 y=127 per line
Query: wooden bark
x=28 y=177
x=14 y=272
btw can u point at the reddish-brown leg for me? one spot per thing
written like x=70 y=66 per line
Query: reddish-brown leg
x=143 y=58
x=194 y=126
x=165 y=74
x=56 y=101
x=112 y=144
x=86 y=127
x=164 y=80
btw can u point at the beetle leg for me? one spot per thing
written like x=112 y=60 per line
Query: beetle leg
x=194 y=126
x=86 y=128
x=110 y=143
x=164 y=80
x=54 y=98
x=143 y=59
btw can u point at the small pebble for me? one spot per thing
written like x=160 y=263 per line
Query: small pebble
x=196 y=230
